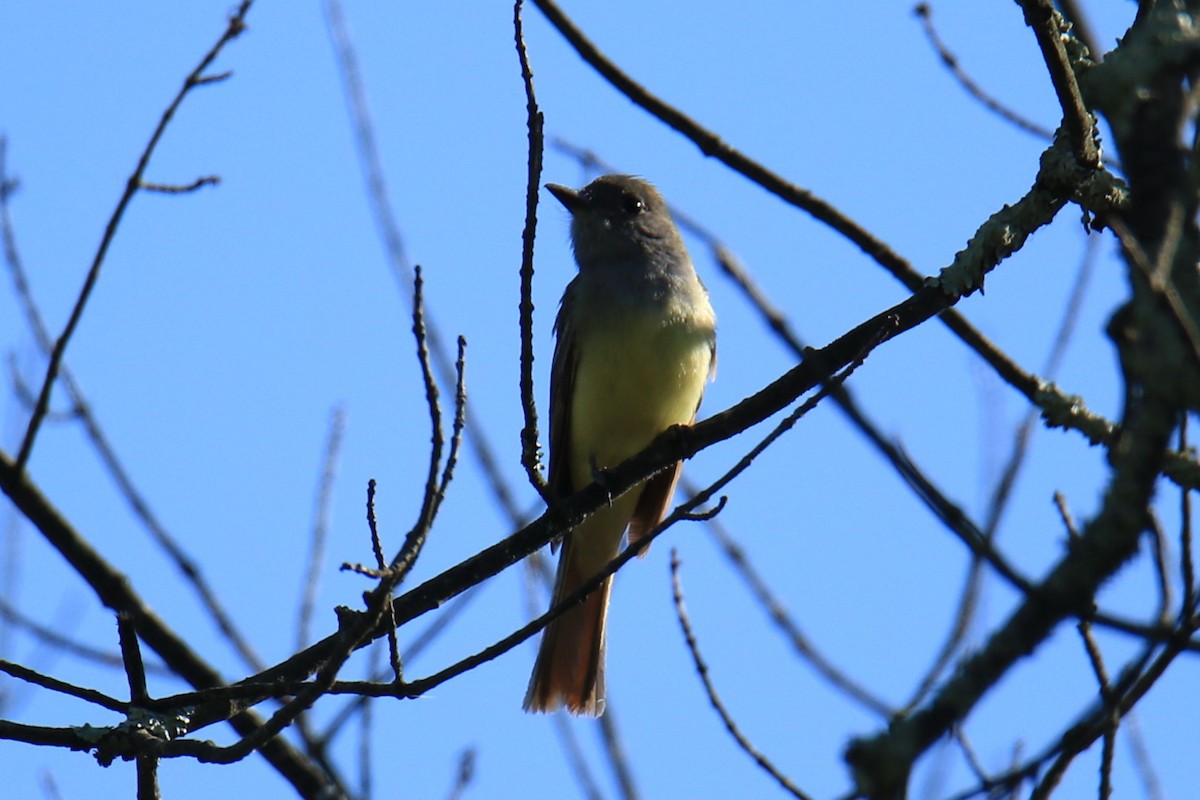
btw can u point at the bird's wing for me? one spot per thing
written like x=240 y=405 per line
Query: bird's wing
x=653 y=503
x=562 y=386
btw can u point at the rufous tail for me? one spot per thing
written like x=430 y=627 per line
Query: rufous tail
x=570 y=663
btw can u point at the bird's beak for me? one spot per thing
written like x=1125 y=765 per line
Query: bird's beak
x=568 y=197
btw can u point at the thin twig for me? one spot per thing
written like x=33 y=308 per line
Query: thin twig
x=147 y=765
x=1160 y=551
x=711 y=691
x=573 y=752
x=1048 y=27
x=320 y=530
x=1003 y=491
x=429 y=635
x=1151 y=786
x=53 y=637
x=735 y=554
x=615 y=749
x=55 y=685
x=1157 y=270
x=460 y=420
x=236 y=24
x=186 y=188
x=968 y=750
x=463 y=775
x=131 y=654
x=530 y=455
x=406 y=557
x=389 y=230
x=366 y=736
x=1064 y=512
x=540 y=575
x=371 y=164
x=184 y=563
x=1096 y=658
x=925 y=14
x=404 y=560
x=365 y=139
x=1187 y=568
x=380 y=600
x=381 y=563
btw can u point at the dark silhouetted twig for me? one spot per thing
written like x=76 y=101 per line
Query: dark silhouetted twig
x=81 y=410
x=170 y=188
x=55 y=685
x=530 y=455
x=710 y=689
x=925 y=14
x=236 y=24
x=783 y=620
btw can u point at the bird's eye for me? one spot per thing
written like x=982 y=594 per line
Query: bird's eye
x=632 y=205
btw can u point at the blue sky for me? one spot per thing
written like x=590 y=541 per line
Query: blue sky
x=229 y=322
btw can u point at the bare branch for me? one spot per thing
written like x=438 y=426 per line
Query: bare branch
x=237 y=24
x=1050 y=30
x=1187 y=568
x=530 y=455
x=131 y=653
x=713 y=698
x=114 y=591
x=464 y=775
x=320 y=531
x=925 y=14
x=460 y=420
x=188 y=568
x=54 y=685
x=186 y=188
x=779 y=615
x=615 y=751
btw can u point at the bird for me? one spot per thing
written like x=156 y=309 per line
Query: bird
x=635 y=346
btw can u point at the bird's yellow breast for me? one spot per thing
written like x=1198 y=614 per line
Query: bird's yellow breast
x=636 y=376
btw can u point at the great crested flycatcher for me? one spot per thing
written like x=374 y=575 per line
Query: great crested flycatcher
x=635 y=345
